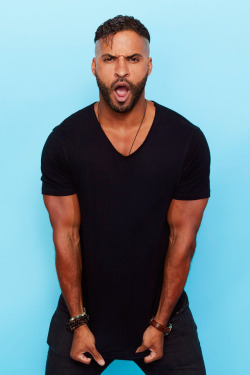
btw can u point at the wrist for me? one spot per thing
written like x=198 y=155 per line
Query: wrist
x=161 y=320
x=82 y=328
x=80 y=315
x=166 y=329
x=76 y=313
x=78 y=320
x=77 y=310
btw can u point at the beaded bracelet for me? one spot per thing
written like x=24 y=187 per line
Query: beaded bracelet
x=77 y=316
x=77 y=324
x=78 y=320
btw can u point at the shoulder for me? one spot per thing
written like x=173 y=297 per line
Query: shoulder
x=71 y=125
x=179 y=128
x=175 y=120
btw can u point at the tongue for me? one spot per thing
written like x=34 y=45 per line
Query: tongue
x=121 y=90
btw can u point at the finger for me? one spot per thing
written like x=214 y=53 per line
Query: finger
x=151 y=357
x=82 y=358
x=97 y=356
x=141 y=348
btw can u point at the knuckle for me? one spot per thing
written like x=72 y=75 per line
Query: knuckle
x=92 y=347
x=86 y=361
x=73 y=355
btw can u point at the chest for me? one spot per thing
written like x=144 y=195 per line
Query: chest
x=127 y=141
x=101 y=172
x=130 y=137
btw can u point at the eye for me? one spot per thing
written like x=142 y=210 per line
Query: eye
x=108 y=59
x=134 y=59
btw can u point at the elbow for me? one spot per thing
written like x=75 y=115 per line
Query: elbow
x=183 y=247
x=192 y=249
x=63 y=237
x=74 y=235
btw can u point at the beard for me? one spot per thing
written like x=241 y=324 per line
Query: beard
x=135 y=89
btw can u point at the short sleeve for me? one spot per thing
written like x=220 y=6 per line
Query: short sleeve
x=56 y=175
x=194 y=181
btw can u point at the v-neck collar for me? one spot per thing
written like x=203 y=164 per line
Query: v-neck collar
x=155 y=120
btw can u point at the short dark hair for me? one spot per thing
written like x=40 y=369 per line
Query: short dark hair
x=120 y=23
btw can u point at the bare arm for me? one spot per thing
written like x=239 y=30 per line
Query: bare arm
x=184 y=219
x=64 y=214
x=65 y=218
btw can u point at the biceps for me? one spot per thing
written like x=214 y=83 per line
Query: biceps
x=184 y=218
x=64 y=212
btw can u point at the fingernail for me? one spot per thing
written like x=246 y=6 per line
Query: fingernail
x=102 y=362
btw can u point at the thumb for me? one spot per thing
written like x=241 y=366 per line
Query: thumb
x=141 y=348
x=98 y=357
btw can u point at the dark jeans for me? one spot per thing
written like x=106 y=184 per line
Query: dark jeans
x=182 y=354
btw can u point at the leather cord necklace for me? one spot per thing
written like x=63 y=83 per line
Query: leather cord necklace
x=138 y=128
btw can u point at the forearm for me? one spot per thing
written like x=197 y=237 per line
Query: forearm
x=176 y=269
x=69 y=269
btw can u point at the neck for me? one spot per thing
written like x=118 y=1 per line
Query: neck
x=118 y=120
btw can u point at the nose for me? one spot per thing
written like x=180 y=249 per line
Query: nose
x=121 y=67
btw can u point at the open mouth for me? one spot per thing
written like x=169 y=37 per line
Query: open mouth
x=121 y=93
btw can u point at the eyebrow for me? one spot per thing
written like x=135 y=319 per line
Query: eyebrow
x=134 y=54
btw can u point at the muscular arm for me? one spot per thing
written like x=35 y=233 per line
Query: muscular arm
x=65 y=218
x=64 y=214
x=184 y=219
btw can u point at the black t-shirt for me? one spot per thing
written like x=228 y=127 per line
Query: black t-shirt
x=124 y=231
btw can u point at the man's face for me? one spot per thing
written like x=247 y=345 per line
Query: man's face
x=121 y=68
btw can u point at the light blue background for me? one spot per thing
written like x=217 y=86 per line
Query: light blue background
x=200 y=52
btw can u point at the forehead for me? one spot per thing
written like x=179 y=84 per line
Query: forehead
x=126 y=42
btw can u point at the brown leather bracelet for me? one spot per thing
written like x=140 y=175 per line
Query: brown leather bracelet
x=166 y=330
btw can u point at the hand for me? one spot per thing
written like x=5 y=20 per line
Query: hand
x=153 y=340
x=84 y=341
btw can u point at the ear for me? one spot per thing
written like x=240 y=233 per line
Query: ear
x=93 y=65
x=150 y=65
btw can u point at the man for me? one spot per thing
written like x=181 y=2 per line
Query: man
x=125 y=183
